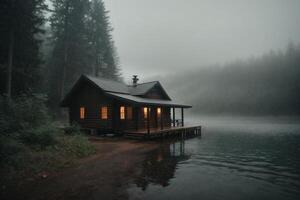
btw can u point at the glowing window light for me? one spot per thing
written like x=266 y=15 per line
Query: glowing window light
x=122 y=112
x=158 y=112
x=145 y=112
x=104 y=112
x=82 y=112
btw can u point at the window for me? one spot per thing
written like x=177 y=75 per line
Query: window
x=129 y=113
x=145 y=112
x=82 y=112
x=104 y=113
x=122 y=112
x=158 y=112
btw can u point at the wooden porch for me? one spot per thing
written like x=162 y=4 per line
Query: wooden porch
x=175 y=127
x=152 y=133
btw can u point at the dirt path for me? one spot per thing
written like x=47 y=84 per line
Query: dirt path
x=104 y=175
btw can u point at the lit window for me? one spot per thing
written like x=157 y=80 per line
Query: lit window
x=122 y=112
x=104 y=113
x=129 y=113
x=158 y=112
x=82 y=112
x=145 y=112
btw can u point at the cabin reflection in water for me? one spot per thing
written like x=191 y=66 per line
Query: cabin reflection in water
x=160 y=165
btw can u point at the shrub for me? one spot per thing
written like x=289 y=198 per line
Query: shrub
x=30 y=142
x=43 y=136
x=24 y=112
x=74 y=129
x=13 y=154
x=77 y=145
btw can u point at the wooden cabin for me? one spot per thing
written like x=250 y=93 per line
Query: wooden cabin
x=106 y=105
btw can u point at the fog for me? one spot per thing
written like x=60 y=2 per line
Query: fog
x=156 y=38
x=231 y=68
x=222 y=57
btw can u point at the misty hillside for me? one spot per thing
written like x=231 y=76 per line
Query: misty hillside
x=268 y=85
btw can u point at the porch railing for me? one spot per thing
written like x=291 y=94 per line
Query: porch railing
x=177 y=123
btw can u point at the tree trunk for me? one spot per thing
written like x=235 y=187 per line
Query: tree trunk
x=62 y=91
x=98 y=60
x=96 y=64
x=66 y=48
x=10 y=62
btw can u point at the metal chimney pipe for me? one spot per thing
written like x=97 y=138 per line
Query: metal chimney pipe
x=135 y=80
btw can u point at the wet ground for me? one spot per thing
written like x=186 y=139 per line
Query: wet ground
x=105 y=175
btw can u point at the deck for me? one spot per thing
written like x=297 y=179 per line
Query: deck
x=178 y=131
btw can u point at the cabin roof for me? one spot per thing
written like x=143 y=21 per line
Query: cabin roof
x=141 y=88
x=124 y=92
x=146 y=101
x=119 y=87
x=108 y=85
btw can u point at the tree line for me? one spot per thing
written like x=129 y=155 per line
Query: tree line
x=44 y=49
x=265 y=85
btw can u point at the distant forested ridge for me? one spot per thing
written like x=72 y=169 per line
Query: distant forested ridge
x=267 y=85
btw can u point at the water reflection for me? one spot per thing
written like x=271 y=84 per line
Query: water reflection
x=160 y=165
x=248 y=161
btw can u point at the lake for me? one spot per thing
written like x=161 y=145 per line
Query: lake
x=245 y=158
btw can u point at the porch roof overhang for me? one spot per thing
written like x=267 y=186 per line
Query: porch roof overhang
x=145 y=101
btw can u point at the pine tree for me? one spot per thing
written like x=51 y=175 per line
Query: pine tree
x=20 y=23
x=101 y=43
x=82 y=43
x=70 y=54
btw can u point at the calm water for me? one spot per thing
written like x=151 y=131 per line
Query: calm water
x=234 y=159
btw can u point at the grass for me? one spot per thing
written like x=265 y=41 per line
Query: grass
x=25 y=161
x=31 y=143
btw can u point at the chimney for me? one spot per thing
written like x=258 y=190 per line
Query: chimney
x=134 y=80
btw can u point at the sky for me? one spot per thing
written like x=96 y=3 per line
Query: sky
x=159 y=37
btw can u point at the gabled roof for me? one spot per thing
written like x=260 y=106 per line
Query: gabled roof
x=108 y=85
x=118 y=87
x=123 y=92
x=142 y=88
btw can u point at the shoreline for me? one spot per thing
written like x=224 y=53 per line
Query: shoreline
x=105 y=174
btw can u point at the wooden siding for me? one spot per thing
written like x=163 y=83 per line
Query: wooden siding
x=122 y=124
x=92 y=100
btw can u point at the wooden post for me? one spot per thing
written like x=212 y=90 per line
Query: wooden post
x=113 y=118
x=181 y=150
x=161 y=119
x=182 y=117
x=125 y=119
x=137 y=110
x=156 y=117
x=200 y=132
x=148 y=120
x=173 y=116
